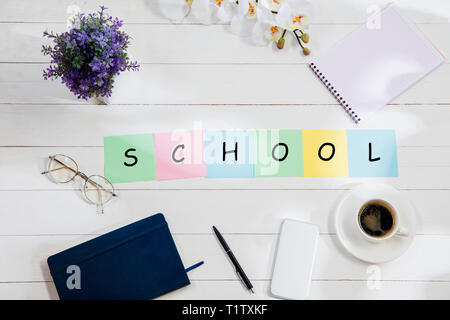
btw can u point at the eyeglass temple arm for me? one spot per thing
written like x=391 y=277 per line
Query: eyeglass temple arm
x=61 y=163
x=101 y=200
x=81 y=174
x=48 y=171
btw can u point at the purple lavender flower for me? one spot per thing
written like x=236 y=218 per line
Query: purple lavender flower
x=89 y=55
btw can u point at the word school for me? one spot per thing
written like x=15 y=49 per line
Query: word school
x=251 y=153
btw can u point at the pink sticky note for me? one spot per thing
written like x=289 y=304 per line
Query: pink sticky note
x=179 y=155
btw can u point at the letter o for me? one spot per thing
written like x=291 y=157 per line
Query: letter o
x=333 y=150
x=285 y=148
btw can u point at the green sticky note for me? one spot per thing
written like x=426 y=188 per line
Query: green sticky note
x=279 y=153
x=129 y=158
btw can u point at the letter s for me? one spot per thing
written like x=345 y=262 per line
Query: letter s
x=132 y=157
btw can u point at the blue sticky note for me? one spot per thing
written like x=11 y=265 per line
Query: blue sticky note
x=372 y=153
x=229 y=154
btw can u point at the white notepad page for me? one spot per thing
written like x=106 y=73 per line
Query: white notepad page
x=371 y=66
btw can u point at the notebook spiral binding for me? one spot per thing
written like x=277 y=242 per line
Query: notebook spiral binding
x=334 y=92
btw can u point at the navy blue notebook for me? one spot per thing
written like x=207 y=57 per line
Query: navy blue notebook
x=138 y=261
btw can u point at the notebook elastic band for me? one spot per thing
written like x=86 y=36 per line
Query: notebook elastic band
x=334 y=92
x=194 y=266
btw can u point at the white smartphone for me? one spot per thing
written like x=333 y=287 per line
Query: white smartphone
x=294 y=262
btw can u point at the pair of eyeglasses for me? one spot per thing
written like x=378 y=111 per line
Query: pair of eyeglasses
x=97 y=189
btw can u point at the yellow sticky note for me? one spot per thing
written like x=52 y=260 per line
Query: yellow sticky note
x=325 y=153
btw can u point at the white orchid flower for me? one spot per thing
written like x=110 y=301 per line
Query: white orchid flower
x=248 y=8
x=264 y=34
x=227 y=9
x=245 y=19
x=261 y=21
x=211 y=11
x=175 y=10
x=204 y=11
x=272 y=5
x=254 y=21
x=266 y=29
x=294 y=14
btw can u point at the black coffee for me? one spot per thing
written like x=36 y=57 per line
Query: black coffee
x=377 y=219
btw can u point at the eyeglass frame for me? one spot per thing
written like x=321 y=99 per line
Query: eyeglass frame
x=81 y=175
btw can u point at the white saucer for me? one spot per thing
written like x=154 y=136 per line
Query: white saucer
x=354 y=241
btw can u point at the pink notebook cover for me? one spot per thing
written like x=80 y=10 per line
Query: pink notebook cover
x=371 y=66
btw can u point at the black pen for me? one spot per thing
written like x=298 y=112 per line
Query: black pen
x=234 y=261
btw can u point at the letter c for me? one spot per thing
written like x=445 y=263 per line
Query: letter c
x=175 y=151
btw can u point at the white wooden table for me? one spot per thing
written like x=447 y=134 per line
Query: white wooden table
x=203 y=75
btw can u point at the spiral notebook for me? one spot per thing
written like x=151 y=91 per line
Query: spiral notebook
x=376 y=63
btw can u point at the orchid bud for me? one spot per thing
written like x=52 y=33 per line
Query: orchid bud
x=306 y=51
x=280 y=43
x=305 y=37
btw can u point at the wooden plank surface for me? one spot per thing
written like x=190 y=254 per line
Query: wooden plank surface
x=198 y=44
x=29 y=162
x=148 y=11
x=190 y=84
x=28 y=254
x=198 y=209
x=49 y=125
x=320 y=289
x=196 y=76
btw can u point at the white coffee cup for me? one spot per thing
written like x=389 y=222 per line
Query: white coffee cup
x=395 y=230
